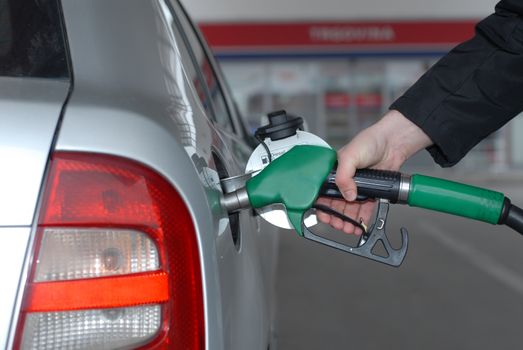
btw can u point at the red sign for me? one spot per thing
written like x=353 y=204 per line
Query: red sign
x=337 y=100
x=342 y=100
x=369 y=100
x=336 y=35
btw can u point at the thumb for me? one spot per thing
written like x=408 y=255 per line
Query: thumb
x=345 y=173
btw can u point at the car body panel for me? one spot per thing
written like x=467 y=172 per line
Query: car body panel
x=26 y=135
x=132 y=98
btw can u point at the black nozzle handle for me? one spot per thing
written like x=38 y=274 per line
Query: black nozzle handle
x=371 y=183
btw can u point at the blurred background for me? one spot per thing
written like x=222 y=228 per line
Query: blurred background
x=340 y=64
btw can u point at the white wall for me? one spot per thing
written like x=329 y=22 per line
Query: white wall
x=263 y=10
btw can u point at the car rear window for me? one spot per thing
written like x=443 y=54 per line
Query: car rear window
x=32 y=43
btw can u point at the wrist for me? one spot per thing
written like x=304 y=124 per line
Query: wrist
x=403 y=138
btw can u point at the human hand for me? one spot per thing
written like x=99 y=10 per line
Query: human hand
x=385 y=145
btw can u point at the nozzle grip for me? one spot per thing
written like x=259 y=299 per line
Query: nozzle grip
x=370 y=183
x=383 y=184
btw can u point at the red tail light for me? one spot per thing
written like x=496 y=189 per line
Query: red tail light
x=116 y=261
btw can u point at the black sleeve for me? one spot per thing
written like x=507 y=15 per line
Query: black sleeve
x=473 y=90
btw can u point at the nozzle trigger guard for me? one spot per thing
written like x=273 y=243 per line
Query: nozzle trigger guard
x=369 y=240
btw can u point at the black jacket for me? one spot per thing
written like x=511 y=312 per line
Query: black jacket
x=473 y=90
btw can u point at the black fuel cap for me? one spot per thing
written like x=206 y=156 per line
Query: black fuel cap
x=281 y=125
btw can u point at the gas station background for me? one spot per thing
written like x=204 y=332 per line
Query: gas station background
x=340 y=64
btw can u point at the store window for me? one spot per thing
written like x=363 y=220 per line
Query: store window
x=336 y=97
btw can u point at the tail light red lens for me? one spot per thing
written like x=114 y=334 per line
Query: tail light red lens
x=116 y=261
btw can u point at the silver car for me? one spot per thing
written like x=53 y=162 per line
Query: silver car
x=115 y=132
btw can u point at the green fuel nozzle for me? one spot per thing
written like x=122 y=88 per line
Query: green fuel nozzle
x=294 y=180
x=298 y=177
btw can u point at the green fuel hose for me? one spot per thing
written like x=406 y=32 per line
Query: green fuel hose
x=464 y=200
x=455 y=198
x=513 y=218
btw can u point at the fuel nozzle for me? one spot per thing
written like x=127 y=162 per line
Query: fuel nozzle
x=295 y=179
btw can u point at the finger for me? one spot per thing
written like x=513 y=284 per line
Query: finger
x=339 y=206
x=364 y=215
x=351 y=210
x=358 y=231
x=345 y=172
x=324 y=217
x=366 y=211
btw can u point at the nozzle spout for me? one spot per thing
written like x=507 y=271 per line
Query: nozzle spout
x=236 y=200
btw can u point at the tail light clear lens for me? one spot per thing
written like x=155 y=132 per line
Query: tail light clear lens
x=117 y=261
x=68 y=253
x=114 y=328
